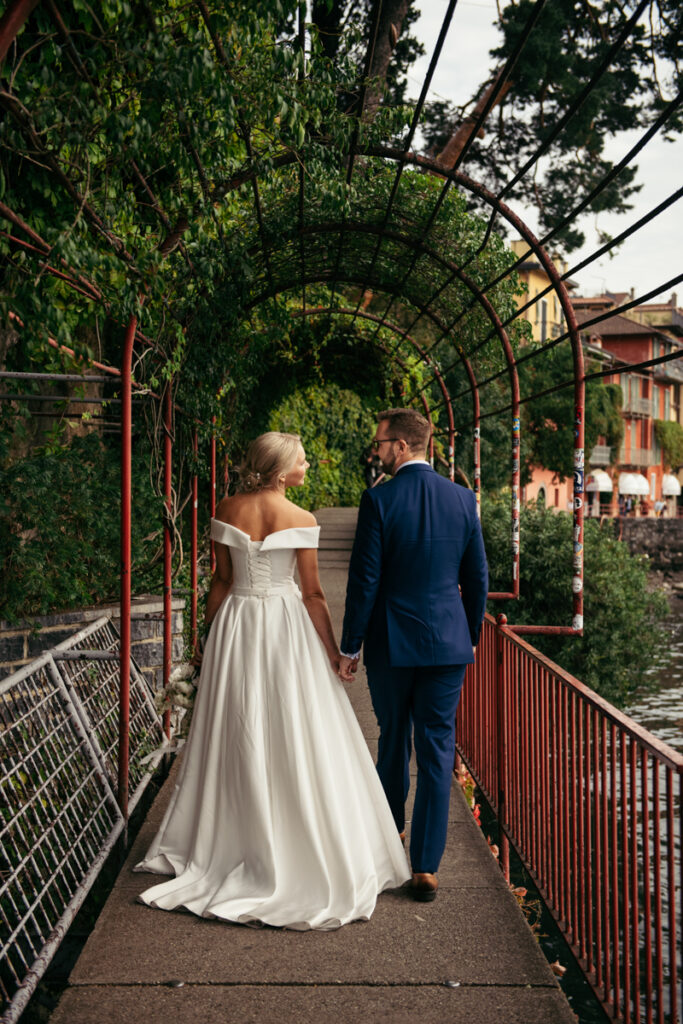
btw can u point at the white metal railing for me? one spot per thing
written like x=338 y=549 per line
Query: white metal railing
x=59 y=816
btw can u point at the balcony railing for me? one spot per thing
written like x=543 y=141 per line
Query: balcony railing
x=638 y=457
x=591 y=802
x=601 y=455
x=638 y=406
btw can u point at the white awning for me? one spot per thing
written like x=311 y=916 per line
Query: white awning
x=598 y=480
x=633 y=483
x=670 y=486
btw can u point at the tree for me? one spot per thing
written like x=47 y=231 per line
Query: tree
x=670 y=437
x=619 y=604
x=345 y=27
x=564 y=50
x=334 y=427
x=548 y=420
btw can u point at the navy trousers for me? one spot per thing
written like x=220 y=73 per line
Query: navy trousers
x=421 y=701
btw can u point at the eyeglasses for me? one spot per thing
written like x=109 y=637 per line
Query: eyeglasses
x=378 y=441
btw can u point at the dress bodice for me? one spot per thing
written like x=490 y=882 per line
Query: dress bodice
x=264 y=567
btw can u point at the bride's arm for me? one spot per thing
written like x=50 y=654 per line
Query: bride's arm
x=221 y=582
x=316 y=605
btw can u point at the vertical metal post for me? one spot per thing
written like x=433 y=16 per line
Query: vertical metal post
x=212 y=489
x=501 y=747
x=579 y=437
x=194 y=550
x=168 y=542
x=428 y=416
x=451 y=441
x=515 y=485
x=477 y=466
x=125 y=592
x=671 y=893
x=476 y=417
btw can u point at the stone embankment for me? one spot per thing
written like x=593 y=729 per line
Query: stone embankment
x=21 y=642
x=661 y=541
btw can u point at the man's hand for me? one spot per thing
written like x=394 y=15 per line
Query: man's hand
x=347 y=668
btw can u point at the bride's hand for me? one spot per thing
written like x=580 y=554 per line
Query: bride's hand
x=335 y=658
x=347 y=668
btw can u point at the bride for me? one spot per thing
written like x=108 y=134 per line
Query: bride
x=278 y=815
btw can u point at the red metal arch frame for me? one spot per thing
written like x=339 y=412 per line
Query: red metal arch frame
x=393 y=354
x=447 y=402
x=498 y=330
x=557 y=283
x=18 y=12
x=15 y=16
x=535 y=246
x=395 y=329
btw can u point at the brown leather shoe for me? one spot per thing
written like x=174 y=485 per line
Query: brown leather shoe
x=423 y=886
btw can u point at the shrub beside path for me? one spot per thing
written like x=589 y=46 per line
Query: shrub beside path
x=467 y=958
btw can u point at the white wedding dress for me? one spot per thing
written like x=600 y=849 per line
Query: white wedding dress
x=278 y=815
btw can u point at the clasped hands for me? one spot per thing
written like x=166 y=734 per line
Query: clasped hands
x=347 y=668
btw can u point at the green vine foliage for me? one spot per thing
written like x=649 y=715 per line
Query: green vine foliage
x=334 y=428
x=165 y=170
x=59 y=529
x=547 y=421
x=670 y=437
x=618 y=602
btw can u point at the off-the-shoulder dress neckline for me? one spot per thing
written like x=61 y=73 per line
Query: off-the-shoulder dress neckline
x=274 y=533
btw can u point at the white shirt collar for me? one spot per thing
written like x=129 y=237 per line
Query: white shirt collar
x=412 y=462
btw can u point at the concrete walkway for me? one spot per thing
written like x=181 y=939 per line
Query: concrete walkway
x=467 y=958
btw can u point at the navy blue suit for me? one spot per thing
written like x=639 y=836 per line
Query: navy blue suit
x=415 y=601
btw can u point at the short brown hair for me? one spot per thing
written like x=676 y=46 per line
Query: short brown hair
x=408 y=425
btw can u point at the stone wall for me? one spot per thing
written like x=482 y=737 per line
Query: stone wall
x=20 y=643
x=660 y=539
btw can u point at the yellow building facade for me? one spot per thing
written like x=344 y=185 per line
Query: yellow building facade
x=544 y=313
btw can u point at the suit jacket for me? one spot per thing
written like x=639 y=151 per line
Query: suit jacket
x=418 y=545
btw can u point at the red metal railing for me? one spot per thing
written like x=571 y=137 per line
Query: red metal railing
x=592 y=804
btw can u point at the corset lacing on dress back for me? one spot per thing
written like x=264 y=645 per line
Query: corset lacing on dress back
x=255 y=576
x=264 y=568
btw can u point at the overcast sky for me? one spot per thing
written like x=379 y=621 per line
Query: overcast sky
x=653 y=255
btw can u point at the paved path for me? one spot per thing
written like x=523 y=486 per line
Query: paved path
x=467 y=958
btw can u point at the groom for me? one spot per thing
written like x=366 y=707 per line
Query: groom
x=415 y=600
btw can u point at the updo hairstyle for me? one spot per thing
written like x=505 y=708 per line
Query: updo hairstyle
x=267 y=457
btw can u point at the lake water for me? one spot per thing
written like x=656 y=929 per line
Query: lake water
x=661 y=711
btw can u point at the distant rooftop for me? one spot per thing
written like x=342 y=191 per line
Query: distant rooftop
x=666 y=316
x=614 y=325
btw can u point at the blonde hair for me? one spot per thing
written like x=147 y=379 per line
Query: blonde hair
x=267 y=457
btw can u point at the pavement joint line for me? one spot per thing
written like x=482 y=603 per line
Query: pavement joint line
x=316 y=984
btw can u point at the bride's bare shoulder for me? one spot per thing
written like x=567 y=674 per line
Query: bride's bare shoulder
x=223 y=508
x=299 y=516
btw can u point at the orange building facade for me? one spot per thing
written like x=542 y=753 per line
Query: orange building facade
x=638 y=481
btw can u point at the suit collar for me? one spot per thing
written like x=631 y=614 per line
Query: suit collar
x=412 y=467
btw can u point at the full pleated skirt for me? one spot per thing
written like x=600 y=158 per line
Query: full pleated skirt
x=278 y=816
